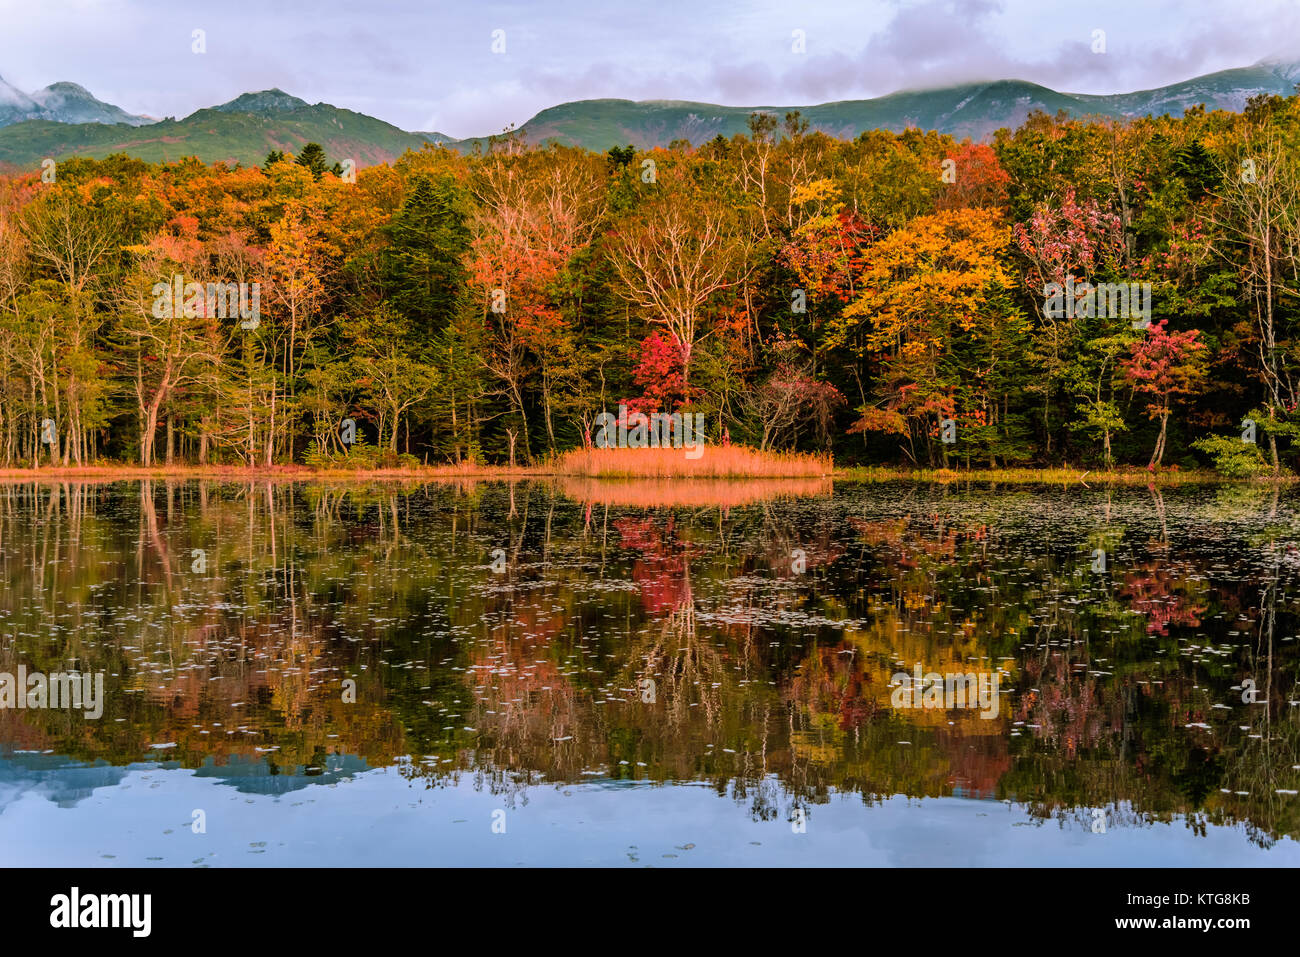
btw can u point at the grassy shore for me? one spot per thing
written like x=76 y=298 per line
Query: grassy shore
x=1046 y=476
x=718 y=464
x=244 y=472
x=731 y=462
x=690 y=492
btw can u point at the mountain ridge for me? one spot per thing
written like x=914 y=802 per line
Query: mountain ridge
x=62 y=102
x=246 y=128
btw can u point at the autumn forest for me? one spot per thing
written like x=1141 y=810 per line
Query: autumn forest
x=880 y=299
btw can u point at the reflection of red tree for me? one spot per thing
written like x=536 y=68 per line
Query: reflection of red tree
x=661 y=571
x=521 y=691
x=832 y=683
x=1067 y=707
x=906 y=540
x=526 y=691
x=976 y=762
x=1155 y=592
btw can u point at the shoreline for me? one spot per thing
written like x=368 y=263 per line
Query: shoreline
x=867 y=474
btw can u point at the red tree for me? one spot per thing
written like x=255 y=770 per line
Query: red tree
x=1165 y=366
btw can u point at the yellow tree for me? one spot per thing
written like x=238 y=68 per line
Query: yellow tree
x=929 y=317
x=295 y=267
x=74 y=235
x=169 y=342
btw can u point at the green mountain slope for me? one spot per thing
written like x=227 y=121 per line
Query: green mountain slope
x=1225 y=90
x=217 y=134
x=974 y=110
x=248 y=127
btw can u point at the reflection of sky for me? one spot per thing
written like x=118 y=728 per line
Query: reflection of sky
x=260 y=777
x=67 y=782
x=54 y=777
x=378 y=818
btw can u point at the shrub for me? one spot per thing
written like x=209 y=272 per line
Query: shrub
x=1232 y=457
x=359 y=457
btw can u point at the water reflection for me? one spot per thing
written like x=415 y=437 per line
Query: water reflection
x=513 y=639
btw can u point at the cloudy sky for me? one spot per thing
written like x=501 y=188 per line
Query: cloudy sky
x=429 y=64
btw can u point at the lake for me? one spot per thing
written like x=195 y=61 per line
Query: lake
x=571 y=672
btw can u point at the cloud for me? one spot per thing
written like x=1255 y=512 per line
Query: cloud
x=426 y=63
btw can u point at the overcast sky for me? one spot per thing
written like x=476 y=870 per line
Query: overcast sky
x=429 y=64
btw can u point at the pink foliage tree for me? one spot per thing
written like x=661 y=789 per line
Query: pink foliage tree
x=1165 y=367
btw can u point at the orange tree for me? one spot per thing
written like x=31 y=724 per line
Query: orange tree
x=934 y=321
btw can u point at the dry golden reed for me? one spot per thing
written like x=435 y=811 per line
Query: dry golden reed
x=730 y=461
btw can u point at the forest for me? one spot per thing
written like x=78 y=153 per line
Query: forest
x=894 y=299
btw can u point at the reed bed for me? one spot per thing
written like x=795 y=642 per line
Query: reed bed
x=715 y=461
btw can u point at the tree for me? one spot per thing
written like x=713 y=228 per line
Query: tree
x=1258 y=218
x=1069 y=244
x=790 y=398
x=980 y=181
x=660 y=374
x=1166 y=367
x=391 y=368
x=75 y=234
x=536 y=212
x=677 y=251
x=168 y=342
x=423 y=267
x=312 y=156
x=932 y=318
x=295 y=265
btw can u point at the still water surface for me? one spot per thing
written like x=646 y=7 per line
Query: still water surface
x=651 y=674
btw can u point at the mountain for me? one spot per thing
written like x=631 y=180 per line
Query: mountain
x=974 y=110
x=241 y=131
x=70 y=103
x=1225 y=90
x=265 y=103
x=61 y=103
x=15 y=105
x=65 y=120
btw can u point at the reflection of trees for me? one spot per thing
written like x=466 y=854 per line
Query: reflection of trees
x=219 y=661
x=772 y=686
x=1262 y=767
x=1160 y=593
x=1067 y=710
x=661 y=570
x=683 y=666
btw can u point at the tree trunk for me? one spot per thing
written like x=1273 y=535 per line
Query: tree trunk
x=147 y=435
x=270 y=434
x=1159 y=453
